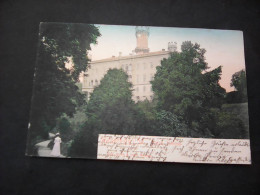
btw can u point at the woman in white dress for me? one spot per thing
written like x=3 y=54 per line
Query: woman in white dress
x=56 y=148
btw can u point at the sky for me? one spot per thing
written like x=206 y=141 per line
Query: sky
x=224 y=47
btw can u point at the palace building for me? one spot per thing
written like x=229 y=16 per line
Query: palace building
x=140 y=67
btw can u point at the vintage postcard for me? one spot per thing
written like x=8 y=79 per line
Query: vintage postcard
x=140 y=93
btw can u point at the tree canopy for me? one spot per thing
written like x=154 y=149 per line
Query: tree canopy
x=239 y=82
x=110 y=110
x=185 y=87
x=55 y=91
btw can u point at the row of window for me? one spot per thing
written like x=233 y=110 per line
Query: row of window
x=144 y=97
x=92 y=83
x=144 y=89
x=144 y=78
x=128 y=67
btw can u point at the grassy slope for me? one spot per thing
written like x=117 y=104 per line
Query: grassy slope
x=241 y=110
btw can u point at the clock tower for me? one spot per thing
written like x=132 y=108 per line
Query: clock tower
x=142 y=34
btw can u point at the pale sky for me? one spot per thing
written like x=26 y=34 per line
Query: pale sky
x=224 y=47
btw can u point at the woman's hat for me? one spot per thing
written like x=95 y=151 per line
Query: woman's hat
x=57 y=134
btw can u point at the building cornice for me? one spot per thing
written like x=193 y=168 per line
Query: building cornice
x=112 y=59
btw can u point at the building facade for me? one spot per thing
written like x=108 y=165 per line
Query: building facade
x=140 y=67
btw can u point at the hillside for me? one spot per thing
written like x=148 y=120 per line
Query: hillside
x=240 y=109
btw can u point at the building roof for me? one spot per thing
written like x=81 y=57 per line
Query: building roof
x=130 y=57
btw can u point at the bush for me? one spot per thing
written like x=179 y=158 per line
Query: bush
x=229 y=126
x=168 y=124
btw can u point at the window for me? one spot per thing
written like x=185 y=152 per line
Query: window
x=151 y=89
x=144 y=77
x=137 y=89
x=144 y=88
x=129 y=77
x=91 y=82
x=144 y=65
x=137 y=78
x=137 y=66
x=151 y=77
x=96 y=82
x=130 y=67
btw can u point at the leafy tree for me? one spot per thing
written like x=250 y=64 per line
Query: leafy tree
x=168 y=124
x=109 y=110
x=65 y=129
x=55 y=90
x=239 y=82
x=185 y=88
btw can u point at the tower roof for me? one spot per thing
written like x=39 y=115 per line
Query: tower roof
x=142 y=29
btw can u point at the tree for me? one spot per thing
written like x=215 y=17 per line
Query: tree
x=55 y=91
x=185 y=88
x=110 y=110
x=239 y=82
